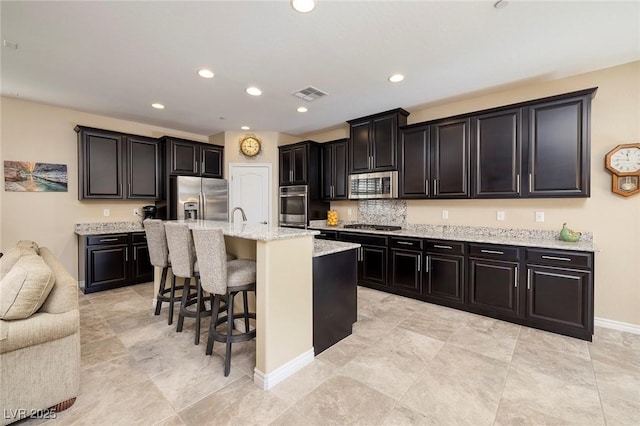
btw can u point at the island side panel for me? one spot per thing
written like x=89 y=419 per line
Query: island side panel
x=284 y=302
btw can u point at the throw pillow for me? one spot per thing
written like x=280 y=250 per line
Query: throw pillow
x=25 y=287
x=11 y=257
x=29 y=244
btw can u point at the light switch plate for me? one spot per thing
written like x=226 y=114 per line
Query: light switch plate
x=500 y=215
x=445 y=214
x=348 y=212
x=539 y=216
x=106 y=212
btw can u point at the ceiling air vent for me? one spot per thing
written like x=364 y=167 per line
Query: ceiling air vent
x=309 y=94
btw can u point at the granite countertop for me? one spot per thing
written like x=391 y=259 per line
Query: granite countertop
x=325 y=247
x=107 y=227
x=503 y=236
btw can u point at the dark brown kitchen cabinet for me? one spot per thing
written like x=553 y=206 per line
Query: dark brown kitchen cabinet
x=190 y=158
x=372 y=258
x=335 y=170
x=113 y=165
x=559 y=147
x=113 y=260
x=494 y=280
x=560 y=291
x=414 y=162
x=450 y=158
x=293 y=164
x=405 y=265
x=445 y=272
x=373 y=141
x=497 y=154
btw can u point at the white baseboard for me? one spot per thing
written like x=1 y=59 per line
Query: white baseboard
x=617 y=325
x=268 y=381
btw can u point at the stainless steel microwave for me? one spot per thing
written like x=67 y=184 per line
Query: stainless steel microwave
x=373 y=185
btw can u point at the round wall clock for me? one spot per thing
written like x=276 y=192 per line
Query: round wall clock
x=250 y=145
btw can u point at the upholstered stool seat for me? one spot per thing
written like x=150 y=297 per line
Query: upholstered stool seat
x=224 y=278
x=160 y=258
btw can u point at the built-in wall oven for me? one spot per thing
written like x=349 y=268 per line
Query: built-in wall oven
x=293 y=206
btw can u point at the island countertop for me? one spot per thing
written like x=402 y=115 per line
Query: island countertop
x=325 y=247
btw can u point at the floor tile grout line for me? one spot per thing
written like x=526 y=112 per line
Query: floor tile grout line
x=506 y=377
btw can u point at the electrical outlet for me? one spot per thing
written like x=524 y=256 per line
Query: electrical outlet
x=348 y=212
x=539 y=216
x=500 y=215
x=106 y=212
x=445 y=214
x=136 y=212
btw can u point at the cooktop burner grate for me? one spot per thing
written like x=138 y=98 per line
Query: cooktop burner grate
x=373 y=227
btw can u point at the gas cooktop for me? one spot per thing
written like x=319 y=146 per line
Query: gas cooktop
x=373 y=227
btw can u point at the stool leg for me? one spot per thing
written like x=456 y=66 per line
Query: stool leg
x=183 y=304
x=246 y=311
x=161 y=288
x=227 y=357
x=198 y=309
x=215 y=310
x=171 y=298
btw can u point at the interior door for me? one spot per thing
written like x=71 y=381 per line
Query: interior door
x=250 y=189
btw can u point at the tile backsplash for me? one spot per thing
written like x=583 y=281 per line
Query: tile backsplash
x=383 y=212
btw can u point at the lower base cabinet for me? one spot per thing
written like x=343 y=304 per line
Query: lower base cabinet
x=445 y=274
x=114 y=260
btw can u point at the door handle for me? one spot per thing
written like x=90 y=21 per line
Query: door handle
x=135 y=255
x=517 y=278
x=264 y=222
x=419 y=261
x=492 y=251
x=528 y=279
x=406 y=243
x=426 y=187
x=564 y=259
x=126 y=254
x=106 y=240
x=530 y=183
x=442 y=247
x=435 y=187
x=518 y=183
x=426 y=263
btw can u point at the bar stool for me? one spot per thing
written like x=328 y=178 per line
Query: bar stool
x=159 y=257
x=221 y=278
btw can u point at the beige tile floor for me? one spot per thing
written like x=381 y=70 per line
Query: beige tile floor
x=407 y=362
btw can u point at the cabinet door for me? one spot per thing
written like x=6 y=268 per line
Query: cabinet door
x=340 y=171
x=450 y=159
x=560 y=299
x=359 y=152
x=143 y=168
x=184 y=158
x=299 y=155
x=383 y=143
x=106 y=266
x=558 y=137
x=327 y=170
x=493 y=286
x=101 y=164
x=286 y=166
x=142 y=267
x=497 y=154
x=405 y=271
x=211 y=161
x=374 y=265
x=414 y=163
x=445 y=277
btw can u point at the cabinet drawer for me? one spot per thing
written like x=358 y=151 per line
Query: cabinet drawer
x=373 y=240
x=406 y=243
x=562 y=258
x=489 y=251
x=449 y=247
x=138 y=237
x=107 y=239
x=327 y=235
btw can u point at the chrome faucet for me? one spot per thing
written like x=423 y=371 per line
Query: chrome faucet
x=244 y=216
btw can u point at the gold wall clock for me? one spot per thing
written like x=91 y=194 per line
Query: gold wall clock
x=623 y=162
x=250 y=145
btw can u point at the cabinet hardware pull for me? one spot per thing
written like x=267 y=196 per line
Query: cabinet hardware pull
x=106 y=240
x=426 y=187
x=530 y=183
x=565 y=259
x=528 y=279
x=442 y=247
x=419 y=261
x=517 y=183
x=135 y=255
x=129 y=188
x=492 y=251
x=126 y=254
x=426 y=263
x=517 y=278
x=121 y=189
x=406 y=243
x=435 y=188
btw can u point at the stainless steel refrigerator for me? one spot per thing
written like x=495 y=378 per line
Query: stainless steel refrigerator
x=199 y=198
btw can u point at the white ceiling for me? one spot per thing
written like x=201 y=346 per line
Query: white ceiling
x=116 y=58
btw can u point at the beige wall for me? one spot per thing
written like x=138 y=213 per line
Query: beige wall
x=42 y=133
x=614 y=220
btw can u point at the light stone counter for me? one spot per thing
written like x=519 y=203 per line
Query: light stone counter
x=107 y=228
x=503 y=236
x=325 y=247
x=247 y=231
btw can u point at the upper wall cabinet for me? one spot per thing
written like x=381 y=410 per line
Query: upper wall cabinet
x=114 y=165
x=190 y=158
x=335 y=170
x=373 y=140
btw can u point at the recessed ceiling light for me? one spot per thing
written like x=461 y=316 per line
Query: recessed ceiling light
x=303 y=6
x=396 y=78
x=254 y=91
x=205 y=73
x=302 y=109
x=157 y=106
x=245 y=127
x=501 y=4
